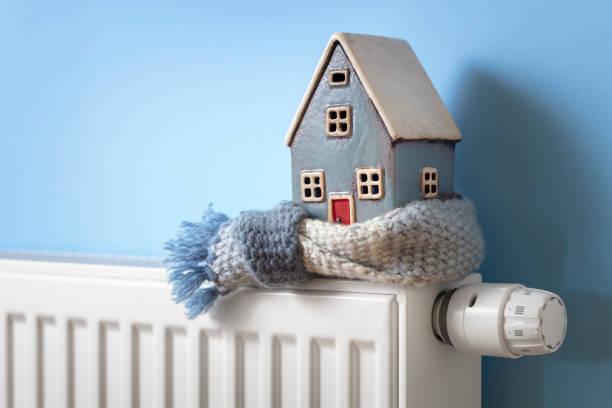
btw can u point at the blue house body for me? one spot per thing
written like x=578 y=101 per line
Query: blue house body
x=371 y=133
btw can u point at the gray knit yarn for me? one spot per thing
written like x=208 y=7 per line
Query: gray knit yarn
x=423 y=242
x=269 y=243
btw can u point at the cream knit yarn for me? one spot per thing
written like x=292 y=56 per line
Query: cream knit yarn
x=424 y=242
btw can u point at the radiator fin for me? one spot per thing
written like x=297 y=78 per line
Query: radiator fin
x=323 y=373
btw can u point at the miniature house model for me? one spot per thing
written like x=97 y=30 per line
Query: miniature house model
x=371 y=133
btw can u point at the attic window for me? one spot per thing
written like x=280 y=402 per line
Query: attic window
x=313 y=186
x=338 y=77
x=369 y=184
x=429 y=182
x=338 y=121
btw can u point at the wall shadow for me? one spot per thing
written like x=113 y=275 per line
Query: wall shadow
x=522 y=165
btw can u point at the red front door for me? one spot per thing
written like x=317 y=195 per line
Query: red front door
x=341 y=210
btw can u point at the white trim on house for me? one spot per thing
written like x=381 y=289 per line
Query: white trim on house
x=337 y=116
x=369 y=183
x=429 y=182
x=312 y=185
x=334 y=72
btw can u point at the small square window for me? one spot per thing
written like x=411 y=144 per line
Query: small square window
x=429 y=182
x=313 y=185
x=338 y=121
x=338 y=77
x=369 y=184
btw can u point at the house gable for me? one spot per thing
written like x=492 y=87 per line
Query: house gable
x=397 y=85
x=368 y=145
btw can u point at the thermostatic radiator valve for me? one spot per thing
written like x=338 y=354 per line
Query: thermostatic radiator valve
x=503 y=320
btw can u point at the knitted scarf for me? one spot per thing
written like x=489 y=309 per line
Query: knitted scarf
x=426 y=241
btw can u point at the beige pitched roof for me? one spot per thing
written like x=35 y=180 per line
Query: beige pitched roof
x=397 y=84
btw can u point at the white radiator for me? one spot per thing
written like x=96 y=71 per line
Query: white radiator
x=88 y=335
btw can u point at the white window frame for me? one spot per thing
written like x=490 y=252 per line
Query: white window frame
x=338 y=71
x=370 y=174
x=336 y=116
x=430 y=186
x=310 y=177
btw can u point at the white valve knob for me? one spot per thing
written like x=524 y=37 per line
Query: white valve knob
x=534 y=322
x=504 y=320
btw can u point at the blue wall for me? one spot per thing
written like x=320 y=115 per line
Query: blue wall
x=119 y=120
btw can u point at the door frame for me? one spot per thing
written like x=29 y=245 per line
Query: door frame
x=340 y=196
